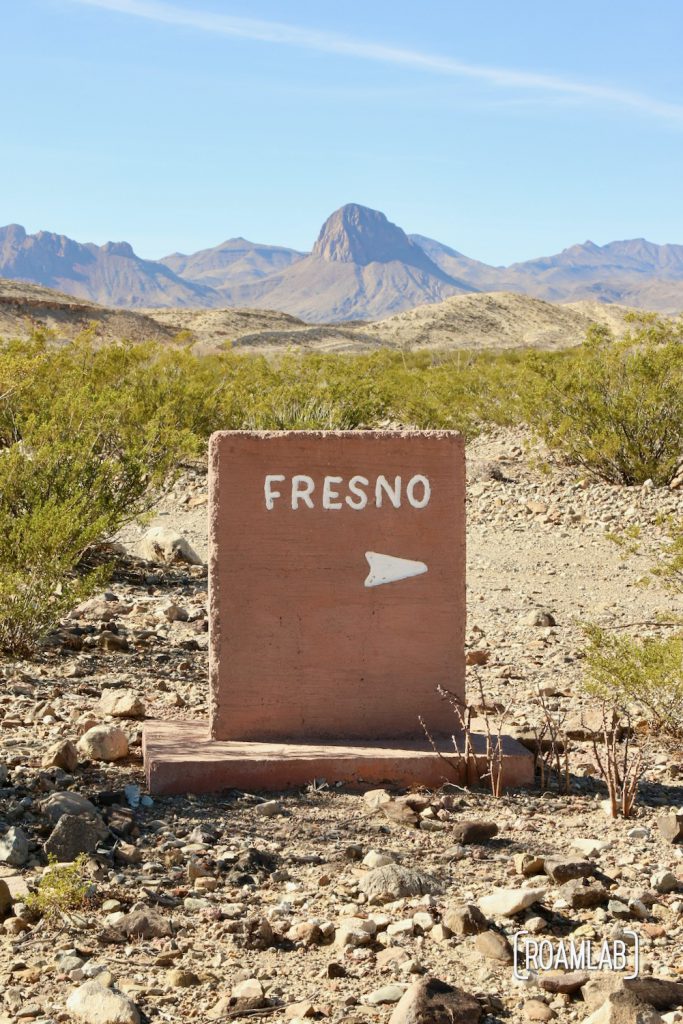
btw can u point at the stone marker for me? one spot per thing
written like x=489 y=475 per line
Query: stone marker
x=336 y=605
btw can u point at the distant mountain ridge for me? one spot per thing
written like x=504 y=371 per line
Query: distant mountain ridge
x=361 y=267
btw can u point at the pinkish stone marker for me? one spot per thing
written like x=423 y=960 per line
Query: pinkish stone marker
x=337 y=606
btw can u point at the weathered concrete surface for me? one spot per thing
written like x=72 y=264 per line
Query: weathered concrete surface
x=181 y=757
x=300 y=647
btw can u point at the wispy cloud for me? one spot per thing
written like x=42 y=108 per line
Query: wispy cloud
x=332 y=42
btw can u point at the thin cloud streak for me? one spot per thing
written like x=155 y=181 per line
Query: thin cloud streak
x=330 y=42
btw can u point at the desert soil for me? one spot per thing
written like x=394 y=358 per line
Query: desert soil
x=256 y=904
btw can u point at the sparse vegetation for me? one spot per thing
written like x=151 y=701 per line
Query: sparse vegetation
x=645 y=674
x=64 y=888
x=615 y=408
x=88 y=432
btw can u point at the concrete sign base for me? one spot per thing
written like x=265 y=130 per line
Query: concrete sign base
x=181 y=757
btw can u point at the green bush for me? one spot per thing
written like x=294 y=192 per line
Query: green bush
x=82 y=448
x=615 y=408
x=669 y=568
x=64 y=888
x=647 y=673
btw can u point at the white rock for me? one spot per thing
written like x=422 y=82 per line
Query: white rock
x=269 y=808
x=121 y=704
x=162 y=544
x=590 y=847
x=373 y=859
x=14 y=847
x=664 y=881
x=104 y=743
x=249 y=989
x=508 y=902
x=92 y=1003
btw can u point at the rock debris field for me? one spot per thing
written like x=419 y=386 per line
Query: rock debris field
x=325 y=904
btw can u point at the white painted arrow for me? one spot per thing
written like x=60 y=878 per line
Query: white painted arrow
x=389 y=568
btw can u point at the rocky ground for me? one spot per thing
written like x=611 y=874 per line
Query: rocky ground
x=328 y=904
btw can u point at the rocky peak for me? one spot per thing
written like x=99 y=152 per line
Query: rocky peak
x=356 y=234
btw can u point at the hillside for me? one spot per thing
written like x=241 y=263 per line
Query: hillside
x=485 y=320
x=28 y=307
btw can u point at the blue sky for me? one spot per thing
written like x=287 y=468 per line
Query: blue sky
x=505 y=129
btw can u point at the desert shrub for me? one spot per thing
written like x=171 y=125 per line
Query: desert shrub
x=613 y=407
x=647 y=673
x=64 y=888
x=669 y=567
x=82 y=447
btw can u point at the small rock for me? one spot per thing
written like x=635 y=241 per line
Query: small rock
x=508 y=902
x=374 y=798
x=494 y=946
x=269 y=808
x=560 y=871
x=92 y=1003
x=104 y=743
x=671 y=827
x=145 y=924
x=67 y=802
x=179 y=978
x=565 y=984
x=248 y=995
x=14 y=847
x=474 y=831
x=591 y=847
x=466 y=919
x=62 y=754
x=174 y=612
x=664 y=881
x=536 y=1009
x=393 y=882
x=5 y=898
x=540 y=617
x=583 y=895
x=386 y=994
x=623 y=1008
x=373 y=859
x=431 y=1001
x=167 y=546
x=121 y=704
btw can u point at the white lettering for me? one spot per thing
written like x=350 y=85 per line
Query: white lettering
x=426 y=492
x=393 y=493
x=619 y=955
x=531 y=954
x=302 y=489
x=330 y=496
x=355 y=492
x=561 y=957
x=577 y=956
x=271 y=494
x=545 y=955
x=355 y=485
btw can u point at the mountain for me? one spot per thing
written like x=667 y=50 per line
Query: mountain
x=634 y=272
x=362 y=267
x=109 y=273
x=235 y=262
